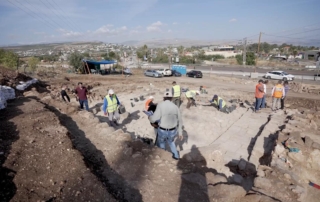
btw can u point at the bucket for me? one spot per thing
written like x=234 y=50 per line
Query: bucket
x=122 y=109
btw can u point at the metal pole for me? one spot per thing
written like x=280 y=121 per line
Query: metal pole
x=255 y=68
x=244 y=51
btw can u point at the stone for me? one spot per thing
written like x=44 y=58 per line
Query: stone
x=216 y=179
x=298 y=190
x=308 y=142
x=261 y=173
x=296 y=137
x=224 y=192
x=242 y=164
x=136 y=155
x=286 y=175
x=314 y=160
x=251 y=198
x=297 y=156
x=237 y=179
x=316 y=145
x=313 y=125
x=279 y=149
x=264 y=167
x=124 y=115
x=262 y=183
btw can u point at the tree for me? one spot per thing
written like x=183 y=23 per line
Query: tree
x=250 y=59
x=33 y=63
x=75 y=60
x=180 y=49
x=9 y=59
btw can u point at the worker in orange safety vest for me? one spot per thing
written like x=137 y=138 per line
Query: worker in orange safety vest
x=277 y=94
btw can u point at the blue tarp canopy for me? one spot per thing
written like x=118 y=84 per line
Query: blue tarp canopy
x=102 y=62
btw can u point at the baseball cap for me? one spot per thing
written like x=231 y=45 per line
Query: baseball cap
x=215 y=96
x=111 y=92
x=167 y=94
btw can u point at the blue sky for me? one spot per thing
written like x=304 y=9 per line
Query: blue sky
x=295 y=21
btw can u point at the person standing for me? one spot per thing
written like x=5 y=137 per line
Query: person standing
x=263 y=101
x=110 y=107
x=286 y=90
x=176 y=92
x=170 y=123
x=259 y=95
x=277 y=94
x=191 y=94
x=81 y=93
x=64 y=94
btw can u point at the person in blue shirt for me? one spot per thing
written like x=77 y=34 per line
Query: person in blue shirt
x=110 y=107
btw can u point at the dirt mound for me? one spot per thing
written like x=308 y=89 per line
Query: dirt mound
x=38 y=161
x=11 y=78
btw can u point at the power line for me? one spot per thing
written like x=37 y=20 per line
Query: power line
x=65 y=20
x=296 y=28
x=39 y=8
x=33 y=16
x=51 y=19
x=63 y=12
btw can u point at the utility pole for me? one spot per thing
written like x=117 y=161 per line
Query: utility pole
x=255 y=69
x=244 y=51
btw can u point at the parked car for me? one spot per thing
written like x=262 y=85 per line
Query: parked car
x=175 y=73
x=280 y=75
x=164 y=72
x=153 y=73
x=195 y=74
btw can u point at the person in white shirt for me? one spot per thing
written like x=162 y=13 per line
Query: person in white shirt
x=263 y=102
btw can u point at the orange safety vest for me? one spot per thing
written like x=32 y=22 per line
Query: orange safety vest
x=258 y=93
x=147 y=104
x=278 y=91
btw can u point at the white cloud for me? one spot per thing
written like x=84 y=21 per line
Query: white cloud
x=155 y=27
x=174 y=23
x=169 y=31
x=110 y=30
x=233 y=20
x=68 y=33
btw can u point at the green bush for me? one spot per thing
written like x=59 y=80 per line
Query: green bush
x=250 y=59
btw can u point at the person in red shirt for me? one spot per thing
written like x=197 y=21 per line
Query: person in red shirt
x=81 y=93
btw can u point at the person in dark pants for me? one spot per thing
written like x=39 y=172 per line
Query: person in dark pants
x=81 y=93
x=259 y=92
x=286 y=90
x=64 y=94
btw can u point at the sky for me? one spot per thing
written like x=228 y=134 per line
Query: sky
x=116 y=21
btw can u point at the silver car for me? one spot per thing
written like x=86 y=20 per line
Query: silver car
x=152 y=73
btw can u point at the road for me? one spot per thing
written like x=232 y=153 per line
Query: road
x=242 y=69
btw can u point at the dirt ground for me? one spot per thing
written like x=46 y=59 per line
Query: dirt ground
x=52 y=151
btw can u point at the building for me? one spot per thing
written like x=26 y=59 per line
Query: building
x=311 y=55
x=226 y=51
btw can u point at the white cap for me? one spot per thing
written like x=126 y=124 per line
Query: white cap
x=151 y=97
x=198 y=92
x=110 y=92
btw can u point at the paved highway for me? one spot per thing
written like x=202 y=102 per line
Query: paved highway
x=242 y=69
